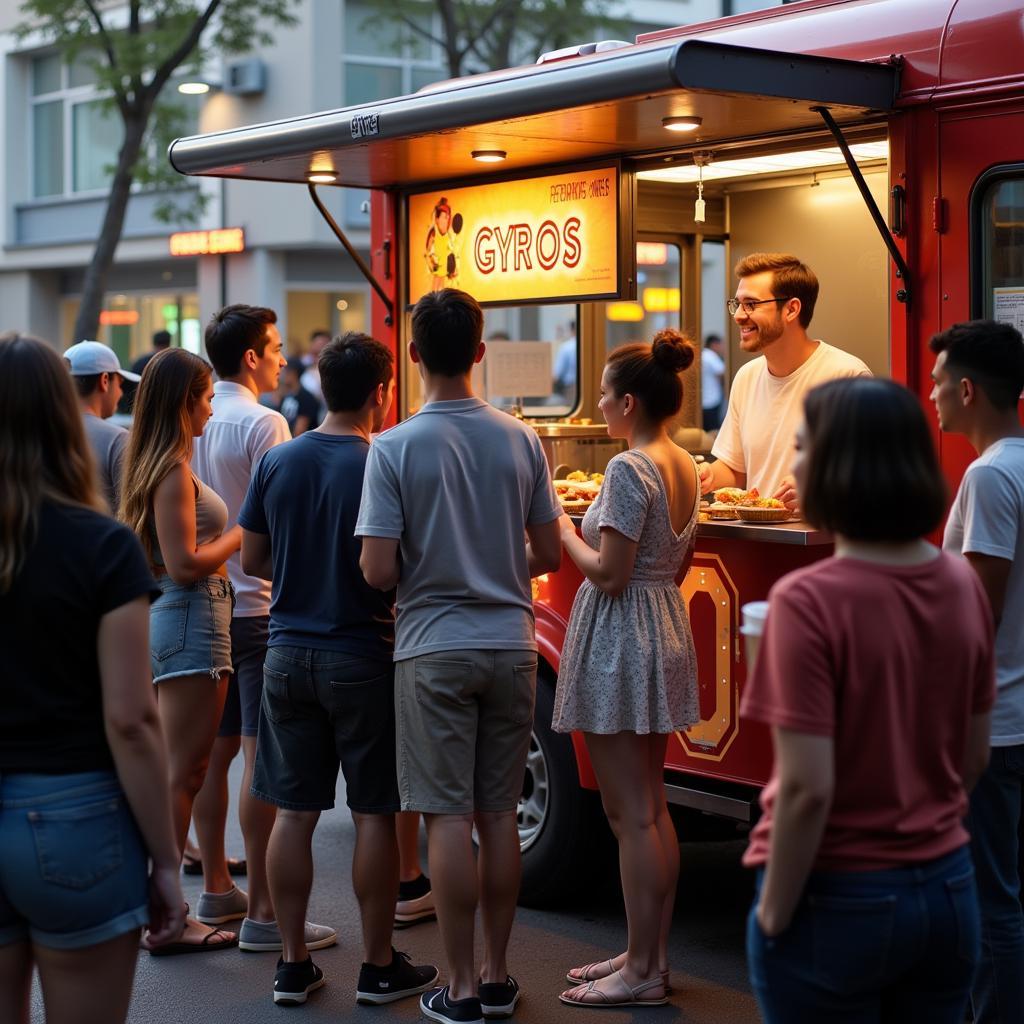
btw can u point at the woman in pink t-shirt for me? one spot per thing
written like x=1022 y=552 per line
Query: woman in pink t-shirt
x=876 y=676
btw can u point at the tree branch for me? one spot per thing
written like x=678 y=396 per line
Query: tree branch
x=108 y=49
x=188 y=44
x=419 y=29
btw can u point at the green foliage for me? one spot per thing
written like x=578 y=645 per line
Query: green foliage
x=477 y=35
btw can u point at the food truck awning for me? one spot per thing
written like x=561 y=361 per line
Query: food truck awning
x=568 y=111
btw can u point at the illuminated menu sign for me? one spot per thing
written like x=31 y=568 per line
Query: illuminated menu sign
x=558 y=237
x=207 y=243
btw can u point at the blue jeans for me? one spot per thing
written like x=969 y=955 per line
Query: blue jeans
x=73 y=868
x=897 y=946
x=993 y=821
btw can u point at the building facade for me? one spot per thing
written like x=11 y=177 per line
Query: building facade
x=54 y=182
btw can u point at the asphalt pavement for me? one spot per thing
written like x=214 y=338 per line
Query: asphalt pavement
x=707 y=960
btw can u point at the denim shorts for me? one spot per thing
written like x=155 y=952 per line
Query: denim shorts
x=322 y=709
x=464 y=725
x=190 y=628
x=73 y=867
x=869 y=946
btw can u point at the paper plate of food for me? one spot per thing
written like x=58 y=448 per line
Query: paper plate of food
x=577 y=491
x=764 y=510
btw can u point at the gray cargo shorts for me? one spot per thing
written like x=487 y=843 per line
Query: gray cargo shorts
x=464 y=720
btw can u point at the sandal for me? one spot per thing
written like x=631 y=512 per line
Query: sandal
x=178 y=948
x=602 y=969
x=590 y=997
x=194 y=865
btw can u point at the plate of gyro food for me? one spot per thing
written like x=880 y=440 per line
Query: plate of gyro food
x=748 y=506
x=577 y=491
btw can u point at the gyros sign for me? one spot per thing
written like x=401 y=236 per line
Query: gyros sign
x=555 y=237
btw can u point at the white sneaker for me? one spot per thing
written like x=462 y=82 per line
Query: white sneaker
x=265 y=936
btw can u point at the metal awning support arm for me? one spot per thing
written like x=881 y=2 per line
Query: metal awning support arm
x=902 y=270
x=356 y=258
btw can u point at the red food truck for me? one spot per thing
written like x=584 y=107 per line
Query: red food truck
x=603 y=192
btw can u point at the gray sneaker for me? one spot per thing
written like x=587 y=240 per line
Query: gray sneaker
x=218 y=907
x=265 y=937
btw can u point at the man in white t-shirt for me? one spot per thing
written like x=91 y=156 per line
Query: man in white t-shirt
x=773 y=307
x=244 y=345
x=979 y=376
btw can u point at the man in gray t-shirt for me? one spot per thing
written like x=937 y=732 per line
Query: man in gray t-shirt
x=979 y=376
x=449 y=499
x=97 y=374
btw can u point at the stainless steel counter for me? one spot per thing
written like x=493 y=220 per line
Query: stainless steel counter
x=764 y=533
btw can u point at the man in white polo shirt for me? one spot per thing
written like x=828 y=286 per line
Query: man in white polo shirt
x=773 y=307
x=97 y=374
x=244 y=345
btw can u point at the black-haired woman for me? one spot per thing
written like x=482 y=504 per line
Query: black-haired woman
x=876 y=676
x=628 y=676
x=88 y=852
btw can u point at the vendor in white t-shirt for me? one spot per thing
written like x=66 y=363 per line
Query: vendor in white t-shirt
x=773 y=307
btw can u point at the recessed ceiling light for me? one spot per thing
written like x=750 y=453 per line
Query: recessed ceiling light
x=489 y=156
x=682 y=124
x=322 y=178
x=194 y=88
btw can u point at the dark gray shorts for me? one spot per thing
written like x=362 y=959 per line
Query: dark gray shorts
x=241 y=715
x=322 y=709
x=464 y=724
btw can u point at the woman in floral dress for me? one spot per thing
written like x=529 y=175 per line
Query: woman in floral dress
x=628 y=676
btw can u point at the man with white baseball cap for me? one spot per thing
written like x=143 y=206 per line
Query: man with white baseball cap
x=97 y=375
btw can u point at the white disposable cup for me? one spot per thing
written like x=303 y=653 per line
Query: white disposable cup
x=752 y=628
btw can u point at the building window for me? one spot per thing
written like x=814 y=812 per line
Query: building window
x=76 y=135
x=384 y=58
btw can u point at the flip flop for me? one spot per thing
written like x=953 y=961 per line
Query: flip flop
x=194 y=865
x=206 y=946
x=588 y=973
x=632 y=996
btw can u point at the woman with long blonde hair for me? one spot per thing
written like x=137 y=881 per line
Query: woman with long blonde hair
x=181 y=524
x=88 y=854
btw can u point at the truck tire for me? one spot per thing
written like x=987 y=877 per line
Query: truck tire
x=563 y=834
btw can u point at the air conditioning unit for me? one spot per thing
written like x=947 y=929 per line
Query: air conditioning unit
x=246 y=77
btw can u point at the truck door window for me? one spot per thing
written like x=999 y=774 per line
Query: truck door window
x=544 y=371
x=998 y=237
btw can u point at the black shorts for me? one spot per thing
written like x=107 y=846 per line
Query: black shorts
x=241 y=714
x=322 y=709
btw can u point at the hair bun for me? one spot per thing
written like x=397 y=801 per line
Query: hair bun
x=672 y=350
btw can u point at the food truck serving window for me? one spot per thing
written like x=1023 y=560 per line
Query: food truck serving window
x=998 y=243
x=531 y=360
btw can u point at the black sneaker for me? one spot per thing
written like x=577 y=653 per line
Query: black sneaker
x=436 y=1005
x=396 y=981
x=498 y=998
x=293 y=982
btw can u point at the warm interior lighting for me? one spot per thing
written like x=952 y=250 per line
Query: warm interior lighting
x=624 y=312
x=322 y=178
x=342 y=305
x=682 y=124
x=661 y=300
x=193 y=88
x=773 y=164
x=652 y=254
x=489 y=156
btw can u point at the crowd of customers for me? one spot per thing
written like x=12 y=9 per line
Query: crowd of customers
x=891 y=674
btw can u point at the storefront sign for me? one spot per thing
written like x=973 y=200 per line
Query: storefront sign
x=207 y=243
x=118 y=317
x=558 y=237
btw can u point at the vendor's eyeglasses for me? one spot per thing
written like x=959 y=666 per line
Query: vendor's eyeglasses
x=749 y=305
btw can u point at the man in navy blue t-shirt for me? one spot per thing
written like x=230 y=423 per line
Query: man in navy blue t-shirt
x=328 y=696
